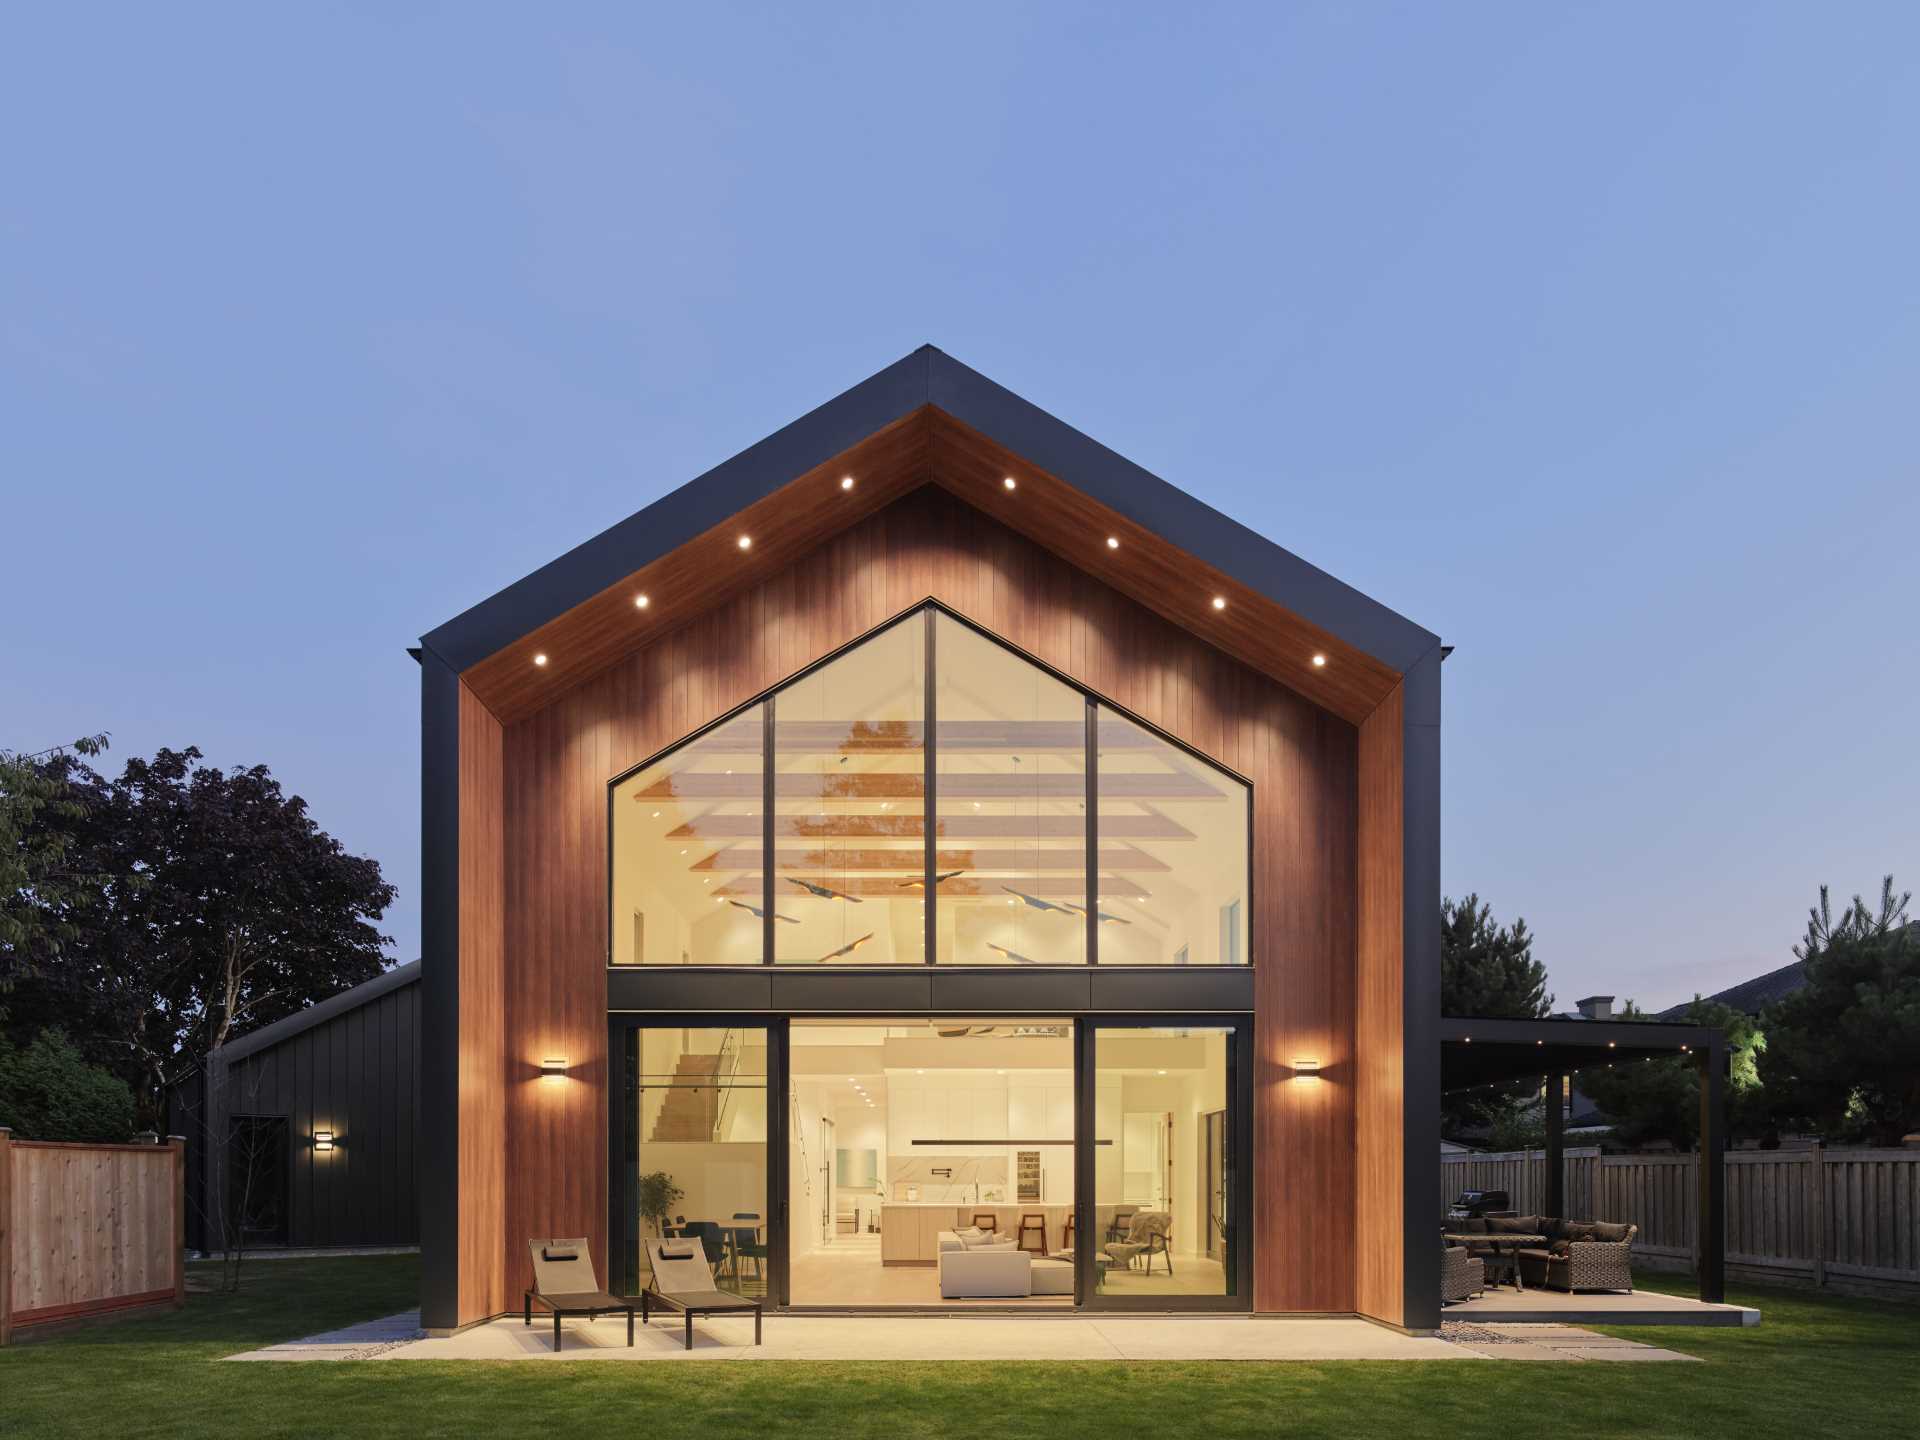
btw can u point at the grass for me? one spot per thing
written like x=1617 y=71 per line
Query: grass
x=1818 y=1365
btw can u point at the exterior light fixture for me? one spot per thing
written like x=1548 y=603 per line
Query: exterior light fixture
x=846 y=482
x=541 y=658
x=746 y=542
x=1219 y=602
x=1306 y=1069
x=323 y=1140
x=1113 y=542
x=554 y=1067
x=640 y=602
x=1008 y=482
x=1319 y=662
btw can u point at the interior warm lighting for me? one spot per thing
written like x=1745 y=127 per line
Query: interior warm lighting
x=554 y=1067
x=1008 y=482
x=1319 y=661
x=541 y=658
x=746 y=542
x=1219 y=602
x=323 y=1140
x=1113 y=542
x=846 y=482
x=640 y=602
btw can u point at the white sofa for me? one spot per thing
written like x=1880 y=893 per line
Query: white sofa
x=982 y=1271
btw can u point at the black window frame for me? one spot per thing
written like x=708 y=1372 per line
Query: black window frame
x=1093 y=703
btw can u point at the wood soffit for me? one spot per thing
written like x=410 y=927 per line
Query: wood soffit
x=926 y=446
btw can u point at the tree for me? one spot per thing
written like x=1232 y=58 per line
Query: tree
x=222 y=907
x=1843 y=1051
x=1650 y=1101
x=1488 y=971
x=38 y=882
x=49 y=1092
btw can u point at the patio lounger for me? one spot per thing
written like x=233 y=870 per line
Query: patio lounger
x=563 y=1281
x=683 y=1281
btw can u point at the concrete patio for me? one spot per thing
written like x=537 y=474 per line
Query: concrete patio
x=1127 y=1338
x=1502 y=1304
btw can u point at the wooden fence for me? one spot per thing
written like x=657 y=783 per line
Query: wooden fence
x=89 y=1229
x=1835 y=1219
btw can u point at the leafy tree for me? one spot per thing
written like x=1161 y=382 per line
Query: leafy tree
x=1843 y=1052
x=38 y=881
x=1488 y=970
x=222 y=907
x=49 y=1092
x=1649 y=1101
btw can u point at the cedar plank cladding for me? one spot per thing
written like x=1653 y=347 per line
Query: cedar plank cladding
x=1300 y=759
x=484 y=1091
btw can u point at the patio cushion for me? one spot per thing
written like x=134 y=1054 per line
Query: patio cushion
x=1611 y=1234
x=1474 y=1226
x=1577 y=1230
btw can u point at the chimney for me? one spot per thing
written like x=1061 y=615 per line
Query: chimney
x=1595 y=1007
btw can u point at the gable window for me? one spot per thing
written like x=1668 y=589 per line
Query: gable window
x=795 y=831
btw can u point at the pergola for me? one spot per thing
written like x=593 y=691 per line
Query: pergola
x=1481 y=1052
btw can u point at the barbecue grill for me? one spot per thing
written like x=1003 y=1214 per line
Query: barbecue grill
x=1477 y=1204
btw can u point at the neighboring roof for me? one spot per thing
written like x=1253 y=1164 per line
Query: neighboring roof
x=268 y=1036
x=926 y=381
x=1750 y=997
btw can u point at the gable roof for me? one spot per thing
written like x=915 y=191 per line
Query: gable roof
x=928 y=419
x=1750 y=996
x=268 y=1036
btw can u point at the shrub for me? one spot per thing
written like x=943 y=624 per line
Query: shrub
x=48 y=1092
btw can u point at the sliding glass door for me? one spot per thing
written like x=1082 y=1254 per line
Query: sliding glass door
x=1164 y=1140
x=691 y=1148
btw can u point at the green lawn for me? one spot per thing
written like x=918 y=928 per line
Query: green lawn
x=1816 y=1367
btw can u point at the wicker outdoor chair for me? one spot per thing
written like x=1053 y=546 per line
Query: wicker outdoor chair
x=1461 y=1274
x=1604 y=1262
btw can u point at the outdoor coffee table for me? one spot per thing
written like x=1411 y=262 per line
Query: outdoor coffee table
x=1503 y=1252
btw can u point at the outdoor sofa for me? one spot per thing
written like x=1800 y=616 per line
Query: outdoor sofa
x=1578 y=1254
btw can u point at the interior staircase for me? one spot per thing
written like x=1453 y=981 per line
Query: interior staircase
x=690 y=1109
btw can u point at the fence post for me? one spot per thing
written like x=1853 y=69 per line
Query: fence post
x=1817 y=1214
x=178 y=1145
x=6 y=1236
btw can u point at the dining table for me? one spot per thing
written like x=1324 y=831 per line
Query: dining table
x=1500 y=1253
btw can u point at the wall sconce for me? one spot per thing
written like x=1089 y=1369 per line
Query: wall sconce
x=1306 y=1069
x=554 y=1067
x=323 y=1140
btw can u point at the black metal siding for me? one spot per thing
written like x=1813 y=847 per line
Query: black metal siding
x=355 y=1073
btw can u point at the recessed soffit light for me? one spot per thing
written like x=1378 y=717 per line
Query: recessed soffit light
x=746 y=542
x=1319 y=662
x=1008 y=482
x=640 y=602
x=541 y=658
x=1219 y=602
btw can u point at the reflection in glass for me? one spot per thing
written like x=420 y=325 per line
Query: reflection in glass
x=1011 y=791
x=696 y=1149
x=1173 y=853
x=1162 y=1173
x=849 y=817
x=686 y=850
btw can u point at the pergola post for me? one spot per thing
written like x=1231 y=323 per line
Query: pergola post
x=1713 y=1171
x=1556 y=1114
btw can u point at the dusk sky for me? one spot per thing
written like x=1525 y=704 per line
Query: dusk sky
x=1587 y=337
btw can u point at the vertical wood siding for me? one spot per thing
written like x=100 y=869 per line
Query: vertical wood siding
x=1300 y=759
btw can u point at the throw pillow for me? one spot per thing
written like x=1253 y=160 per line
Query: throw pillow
x=1612 y=1234
x=1513 y=1225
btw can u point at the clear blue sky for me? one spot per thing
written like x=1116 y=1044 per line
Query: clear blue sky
x=1585 y=336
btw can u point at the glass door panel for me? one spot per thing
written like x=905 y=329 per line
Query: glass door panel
x=1165 y=1191
x=694 y=1163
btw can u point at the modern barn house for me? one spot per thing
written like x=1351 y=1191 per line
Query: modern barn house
x=936 y=863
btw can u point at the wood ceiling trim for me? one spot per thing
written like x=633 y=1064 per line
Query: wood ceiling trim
x=706 y=572
x=1173 y=583
x=928 y=446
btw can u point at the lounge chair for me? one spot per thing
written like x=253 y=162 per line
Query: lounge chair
x=563 y=1281
x=683 y=1281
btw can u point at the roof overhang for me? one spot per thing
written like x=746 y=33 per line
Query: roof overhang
x=1478 y=1052
x=927 y=419
x=281 y=1031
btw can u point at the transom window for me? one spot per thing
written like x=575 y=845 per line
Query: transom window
x=795 y=830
